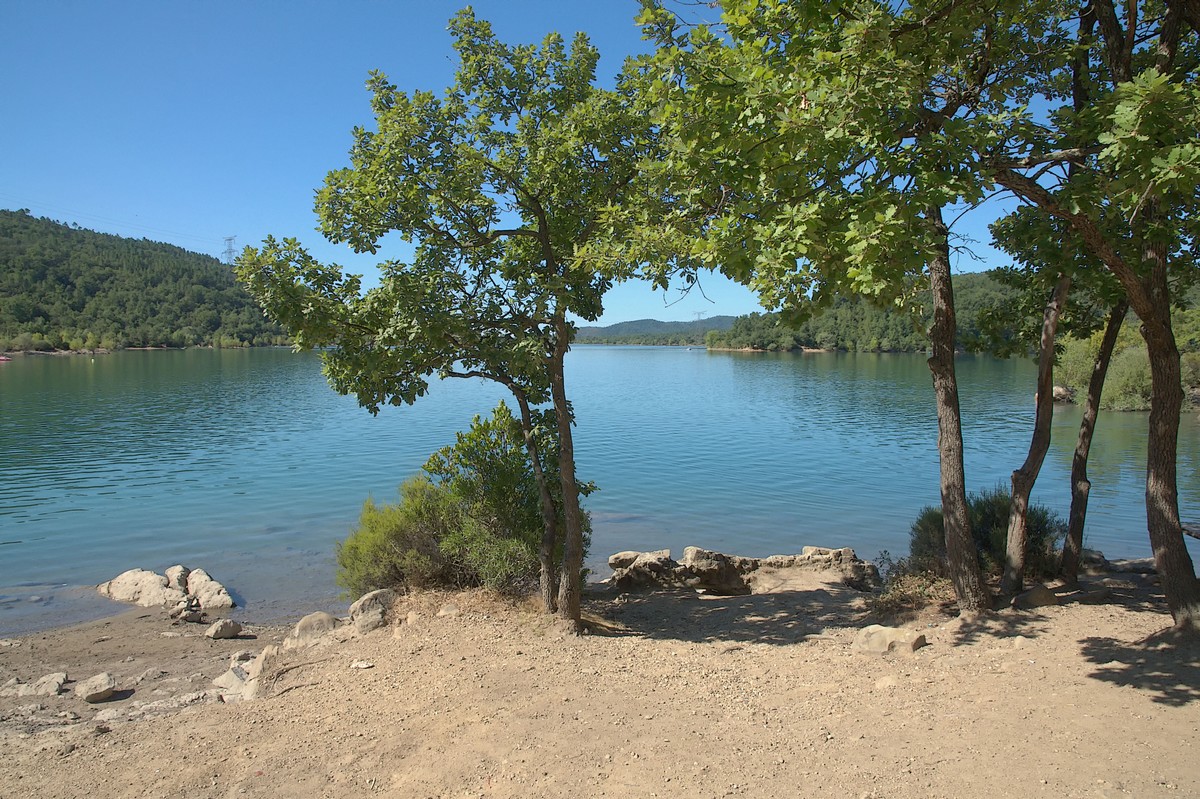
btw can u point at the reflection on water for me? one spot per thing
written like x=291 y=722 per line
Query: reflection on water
x=246 y=463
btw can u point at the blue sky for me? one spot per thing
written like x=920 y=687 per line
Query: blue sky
x=187 y=122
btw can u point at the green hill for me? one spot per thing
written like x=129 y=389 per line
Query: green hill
x=858 y=325
x=652 y=331
x=65 y=287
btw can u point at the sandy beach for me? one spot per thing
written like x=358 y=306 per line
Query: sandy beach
x=672 y=694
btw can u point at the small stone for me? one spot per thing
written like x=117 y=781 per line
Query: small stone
x=362 y=664
x=225 y=628
x=96 y=689
x=449 y=609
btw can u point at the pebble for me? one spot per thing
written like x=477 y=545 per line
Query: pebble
x=362 y=664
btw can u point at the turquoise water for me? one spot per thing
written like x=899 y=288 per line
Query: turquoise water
x=246 y=463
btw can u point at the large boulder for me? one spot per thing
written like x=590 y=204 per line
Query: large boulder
x=143 y=588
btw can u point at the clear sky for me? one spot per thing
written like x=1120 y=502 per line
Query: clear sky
x=187 y=122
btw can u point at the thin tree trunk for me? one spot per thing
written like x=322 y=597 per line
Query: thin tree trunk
x=570 y=588
x=1081 y=486
x=961 y=554
x=1017 y=544
x=548 y=577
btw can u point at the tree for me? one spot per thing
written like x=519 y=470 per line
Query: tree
x=1136 y=164
x=499 y=181
x=817 y=148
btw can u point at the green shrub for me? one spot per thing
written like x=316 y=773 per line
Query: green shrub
x=400 y=545
x=989 y=526
x=473 y=518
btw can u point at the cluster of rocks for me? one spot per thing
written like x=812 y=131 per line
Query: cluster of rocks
x=92 y=690
x=187 y=593
x=733 y=575
x=250 y=676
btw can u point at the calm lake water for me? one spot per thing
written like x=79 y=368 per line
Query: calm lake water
x=245 y=463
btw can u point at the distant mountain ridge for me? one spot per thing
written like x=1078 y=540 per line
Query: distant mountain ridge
x=652 y=331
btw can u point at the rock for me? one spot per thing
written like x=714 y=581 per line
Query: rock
x=449 y=609
x=310 y=629
x=149 y=674
x=370 y=620
x=877 y=640
x=240 y=656
x=50 y=685
x=232 y=680
x=1064 y=394
x=225 y=628
x=362 y=664
x=373 y=610
x=718 y=573
x=177 y=577
x=622 y=560
x=210 y=594
x=96 y=689
x=1036 y=597
x=143 y=588
x=714 y=572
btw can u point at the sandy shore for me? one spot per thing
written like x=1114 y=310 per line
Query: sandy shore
x=672 y=695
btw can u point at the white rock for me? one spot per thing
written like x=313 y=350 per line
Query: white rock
x=142 y=587
x=225 y=628
x=177 y=577
x=232 y=680
x=877 y=639
x=362 y=664
x=51 y=684
x=96 y=689
x=211 y=594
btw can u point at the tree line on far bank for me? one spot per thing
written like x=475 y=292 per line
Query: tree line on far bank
x=67 y=288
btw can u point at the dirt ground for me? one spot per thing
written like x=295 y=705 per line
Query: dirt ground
x=671 y=695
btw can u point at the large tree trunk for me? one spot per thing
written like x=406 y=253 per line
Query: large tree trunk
x=548 y=577
x=961 y=555
x=1023 y=478
x=1171 y=558
x=1081 y=486
x=570 y=585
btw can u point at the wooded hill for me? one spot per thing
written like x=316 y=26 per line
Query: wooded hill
x=65 y=287
x=858 y=325
x=652 y=331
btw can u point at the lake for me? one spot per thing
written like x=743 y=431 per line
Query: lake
x=245 y=463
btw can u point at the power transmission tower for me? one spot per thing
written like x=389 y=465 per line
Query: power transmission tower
x=229 y=240
x=700 y=314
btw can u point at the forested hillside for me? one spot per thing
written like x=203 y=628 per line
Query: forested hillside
x=858 y=325
x=652 y=331
x=64 y=287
